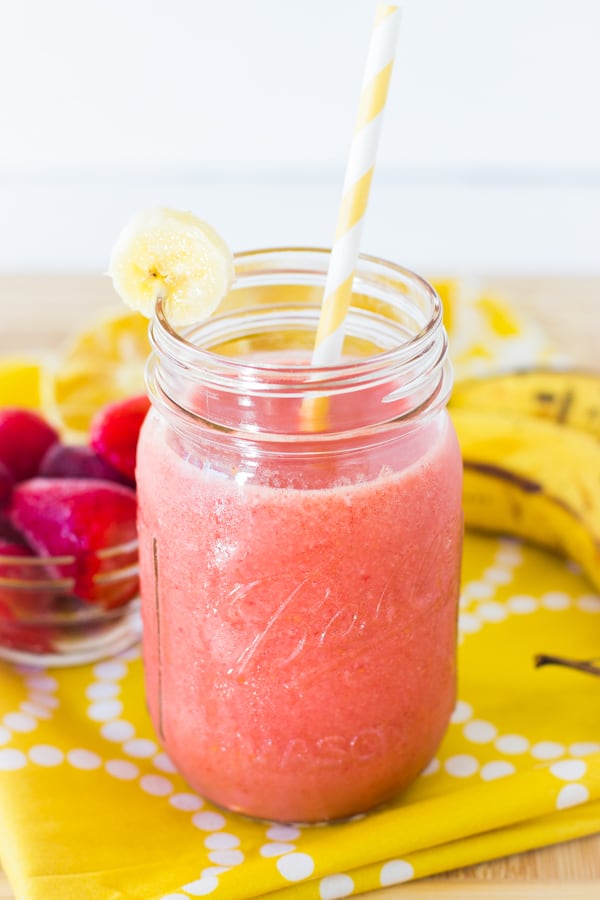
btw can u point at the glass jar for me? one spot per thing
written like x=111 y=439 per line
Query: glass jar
x=300 y=539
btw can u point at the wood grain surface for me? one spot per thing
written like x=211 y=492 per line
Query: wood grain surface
x=38 y=313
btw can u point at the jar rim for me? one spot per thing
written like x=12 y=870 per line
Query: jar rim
x=175 y=340
x=235 y=368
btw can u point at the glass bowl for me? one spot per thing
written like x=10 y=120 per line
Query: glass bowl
x=44 y=622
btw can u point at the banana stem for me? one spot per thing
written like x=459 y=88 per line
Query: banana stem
x=582 y=665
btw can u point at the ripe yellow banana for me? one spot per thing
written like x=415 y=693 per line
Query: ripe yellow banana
x=535 y=479
x=569 y=397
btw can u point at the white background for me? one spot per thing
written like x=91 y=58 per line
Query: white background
x=243 y=111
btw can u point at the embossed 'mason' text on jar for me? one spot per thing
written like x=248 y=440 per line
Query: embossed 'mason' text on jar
x=300 y=534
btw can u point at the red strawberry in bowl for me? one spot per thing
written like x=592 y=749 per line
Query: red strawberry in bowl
x=28 y=638
x=78 y=461
x=9 y=534
x=25 y=589
x=12 y=552
x=81 y=518
x=115 y=430
x=24 y=439
x=6 y=484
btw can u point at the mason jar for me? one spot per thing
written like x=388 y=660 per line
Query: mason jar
x=300 y=539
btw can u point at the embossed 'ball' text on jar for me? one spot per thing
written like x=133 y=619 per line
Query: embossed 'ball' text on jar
x=300 y=537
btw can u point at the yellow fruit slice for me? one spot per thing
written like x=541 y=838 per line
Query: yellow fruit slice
x=172 y=255
x=22 y=382
x=103 y=363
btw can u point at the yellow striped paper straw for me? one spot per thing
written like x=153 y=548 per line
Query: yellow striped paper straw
x=357 y=183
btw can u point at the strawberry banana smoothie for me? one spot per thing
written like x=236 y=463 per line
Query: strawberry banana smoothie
x=299 y=591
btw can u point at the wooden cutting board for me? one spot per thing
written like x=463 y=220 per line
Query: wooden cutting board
x=38 y=311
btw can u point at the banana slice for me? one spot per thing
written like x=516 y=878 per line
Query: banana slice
x=174 y=256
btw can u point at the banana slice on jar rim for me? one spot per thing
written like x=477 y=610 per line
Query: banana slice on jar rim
x=174 y=256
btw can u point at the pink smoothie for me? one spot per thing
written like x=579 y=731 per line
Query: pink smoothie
x=299 y=642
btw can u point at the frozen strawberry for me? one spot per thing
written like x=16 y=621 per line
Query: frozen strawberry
x=6 y=484
x=24 y=438
x=8 y=533
x=22 y=616
x=115 y=430
x=24 y=580
x=117 y=581
x=78 y=461
x=19 y=636
x=14 y=551
x=78 y=517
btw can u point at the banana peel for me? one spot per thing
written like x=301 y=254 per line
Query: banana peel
x=567 y=397
x=533 y=478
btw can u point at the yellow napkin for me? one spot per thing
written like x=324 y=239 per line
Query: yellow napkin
x=90 y=807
